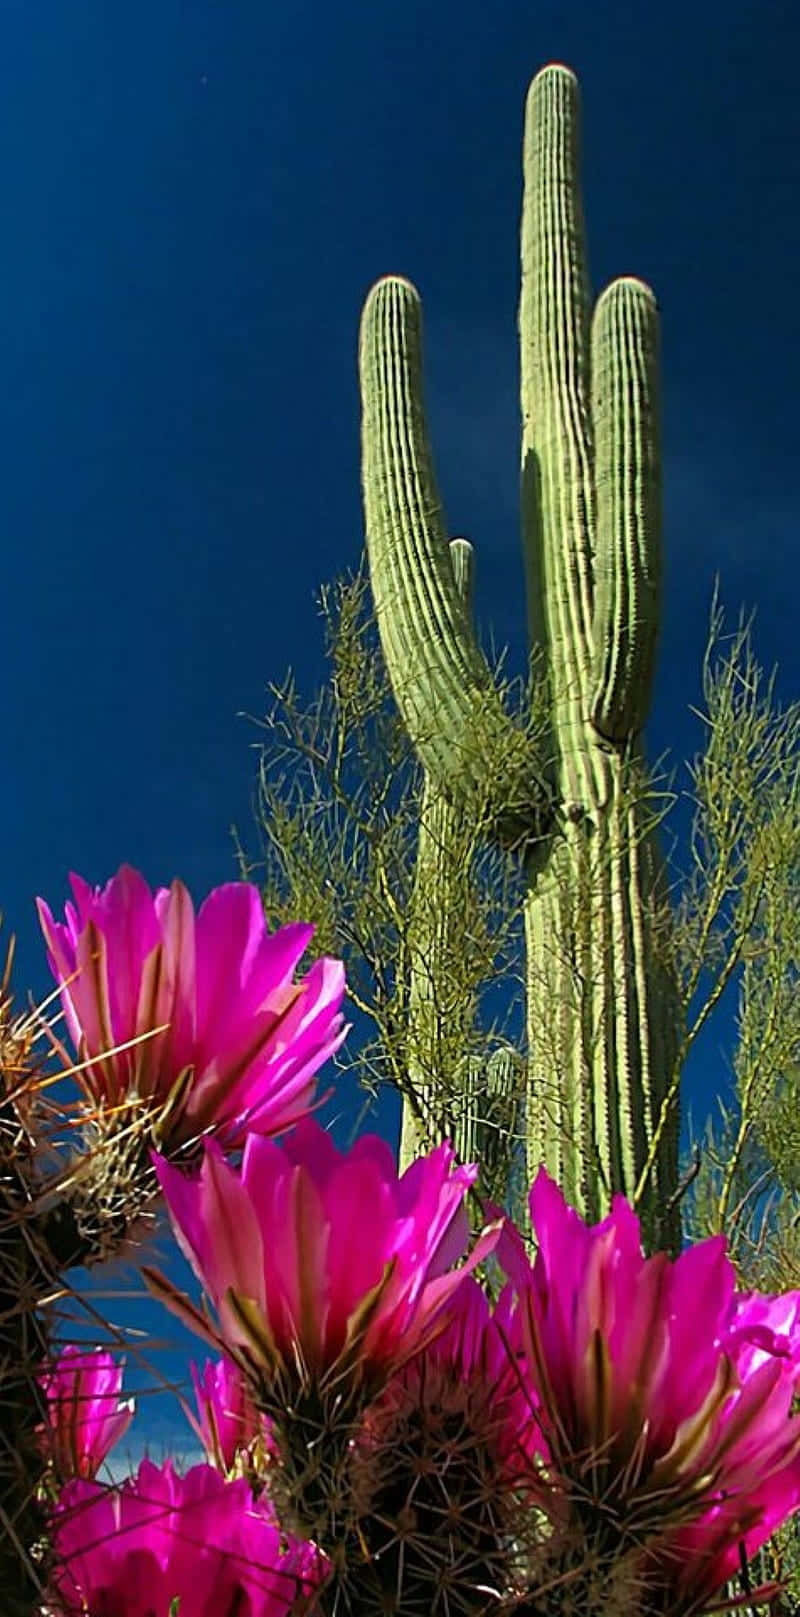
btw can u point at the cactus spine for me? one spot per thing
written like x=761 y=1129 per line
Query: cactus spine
x=603 y=1018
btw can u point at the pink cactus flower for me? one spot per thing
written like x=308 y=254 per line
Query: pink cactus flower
x=162 y=1542
x=227 y=1420
x=319 y=1261
x=664 y=1400
x=696 y=1560
x=760 y=1328
x=86 y=1417
x=242 y=1040
x=691 y=1565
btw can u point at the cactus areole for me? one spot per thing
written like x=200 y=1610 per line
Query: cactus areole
x=603 y=1015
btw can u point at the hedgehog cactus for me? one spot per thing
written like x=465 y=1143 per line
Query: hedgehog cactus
x=24 y=1343
x=225 y=990
x=439 y=1466
x=603 y=1018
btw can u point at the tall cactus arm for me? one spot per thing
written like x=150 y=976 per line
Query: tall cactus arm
x=440 y=678
x=628 y=493
x=599 y=1010
x=557 y=494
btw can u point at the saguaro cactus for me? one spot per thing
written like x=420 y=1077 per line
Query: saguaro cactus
x=603 y=1018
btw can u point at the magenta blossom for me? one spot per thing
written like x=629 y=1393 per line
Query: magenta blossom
x=86 y=1417
x=692 y=1564
x=759 y=1328
x=227 y=1420
x=132 y=1551
x=318 y=1260
x=696 y=1560
x=241 y=1040
x=664 y=1400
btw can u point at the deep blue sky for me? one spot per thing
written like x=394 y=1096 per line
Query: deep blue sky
x=196 y=198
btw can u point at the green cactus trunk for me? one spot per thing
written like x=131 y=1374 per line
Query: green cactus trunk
x=472 y=1100
x=482 y=1092
x=433 y=934
x=603 y=1015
